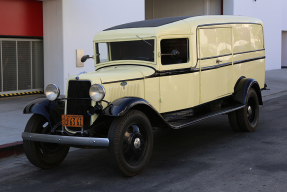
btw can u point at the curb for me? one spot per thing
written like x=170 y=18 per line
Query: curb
x=11 y=149
x=20 y=94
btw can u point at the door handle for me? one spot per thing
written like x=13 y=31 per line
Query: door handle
x=218 y=61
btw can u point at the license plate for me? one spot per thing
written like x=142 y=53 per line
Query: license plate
x=72 y=120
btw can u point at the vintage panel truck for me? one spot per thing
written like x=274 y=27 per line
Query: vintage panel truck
x=167 y=72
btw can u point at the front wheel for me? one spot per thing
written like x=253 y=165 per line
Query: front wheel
x=43 y=155
x=130 y=143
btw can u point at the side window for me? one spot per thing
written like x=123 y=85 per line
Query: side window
x=242 y=38
x=174 y=51
x=247 y=37
x=214 y=42
x=102 y=49
x=256 y=35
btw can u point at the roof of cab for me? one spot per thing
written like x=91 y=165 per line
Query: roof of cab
x=166 y=26
x=148 y=23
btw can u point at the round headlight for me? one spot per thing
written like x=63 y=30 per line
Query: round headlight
x=97 y=92
x=52 y=92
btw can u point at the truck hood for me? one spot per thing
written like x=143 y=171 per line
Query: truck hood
x=116 y=73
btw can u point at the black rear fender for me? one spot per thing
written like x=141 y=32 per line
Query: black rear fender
x=242 y=87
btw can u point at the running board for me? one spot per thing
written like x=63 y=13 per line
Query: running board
x=190 y=120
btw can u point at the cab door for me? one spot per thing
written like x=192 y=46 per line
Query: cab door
x=179 y=82
x=215 y=62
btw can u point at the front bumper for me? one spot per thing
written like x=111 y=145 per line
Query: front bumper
x=67 y=140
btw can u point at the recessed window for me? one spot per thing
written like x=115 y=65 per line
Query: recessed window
x=174 y=51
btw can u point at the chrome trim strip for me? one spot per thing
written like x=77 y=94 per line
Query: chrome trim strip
x=67 y=140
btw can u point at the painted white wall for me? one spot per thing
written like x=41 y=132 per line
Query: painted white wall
x=228 y=7
x=53 y=43
x=284 y=48
x=72 y=24
x=270 y=12
x=170 y=8
x=284 y=14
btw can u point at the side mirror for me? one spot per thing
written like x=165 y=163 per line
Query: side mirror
x=174 y=53
x=84 y=58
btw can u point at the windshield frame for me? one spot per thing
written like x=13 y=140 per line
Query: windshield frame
x=126 y=61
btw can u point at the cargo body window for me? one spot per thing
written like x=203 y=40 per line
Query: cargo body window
x=247 y=37
x=174 y=51
x=214 y=42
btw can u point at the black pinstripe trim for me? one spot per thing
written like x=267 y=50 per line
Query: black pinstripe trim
x=216 y=66
x=123 y=80
x=228 y=23
x=161 y=74
x=248 y=51
x=247 y=60
x=176 y=72
x=204 y=58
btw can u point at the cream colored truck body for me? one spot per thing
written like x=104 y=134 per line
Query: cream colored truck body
x=237 y=41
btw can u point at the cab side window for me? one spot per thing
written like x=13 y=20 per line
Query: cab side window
x=174 y=51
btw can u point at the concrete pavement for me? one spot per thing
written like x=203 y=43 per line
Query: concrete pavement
x=13 y=121
x=206 y=157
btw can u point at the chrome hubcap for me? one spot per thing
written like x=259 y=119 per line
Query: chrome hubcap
x=137 y=143
x=249 y=110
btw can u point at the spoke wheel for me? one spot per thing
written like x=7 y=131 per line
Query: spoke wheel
x=130 y=143
x=40 y=154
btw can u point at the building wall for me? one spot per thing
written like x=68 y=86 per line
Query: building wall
x=53 y=43
x=21 y=46
x=170 y=8
x=272 y=15
x=72 y=24
x=284 y=48
x=21 y=18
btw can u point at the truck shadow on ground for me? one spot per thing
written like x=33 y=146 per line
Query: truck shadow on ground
x=171 y=148
x=177 y=155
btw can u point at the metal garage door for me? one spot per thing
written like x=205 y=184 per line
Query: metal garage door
x=22 y=67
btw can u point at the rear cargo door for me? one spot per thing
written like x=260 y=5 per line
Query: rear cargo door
x=215 y=61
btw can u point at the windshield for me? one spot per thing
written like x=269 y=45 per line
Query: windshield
x=142 y=50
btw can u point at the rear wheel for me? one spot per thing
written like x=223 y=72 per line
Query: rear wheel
x=130 y=143
x=43 y=155
x=249 y=115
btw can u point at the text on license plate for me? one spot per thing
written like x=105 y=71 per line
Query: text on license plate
x=72 y=120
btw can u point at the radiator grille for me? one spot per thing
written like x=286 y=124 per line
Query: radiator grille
x=79 y=89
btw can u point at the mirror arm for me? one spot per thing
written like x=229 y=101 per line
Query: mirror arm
x=85 y=57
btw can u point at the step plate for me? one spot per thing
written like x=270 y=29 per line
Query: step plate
x=185 y=121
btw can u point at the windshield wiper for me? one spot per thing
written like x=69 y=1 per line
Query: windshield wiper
x=144 y=40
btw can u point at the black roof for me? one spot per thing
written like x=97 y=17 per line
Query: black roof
x=149 y=23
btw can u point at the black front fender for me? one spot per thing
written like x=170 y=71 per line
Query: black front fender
x=120 y=106
x=51 y=110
